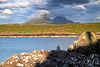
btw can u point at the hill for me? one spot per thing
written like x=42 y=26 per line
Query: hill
x=67 y=28
x=46 y=20
x=43 y=20
x=61 y=20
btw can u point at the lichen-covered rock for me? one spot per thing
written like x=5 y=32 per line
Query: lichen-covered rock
x=87 y=44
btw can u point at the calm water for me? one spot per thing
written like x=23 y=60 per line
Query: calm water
x=10 y=46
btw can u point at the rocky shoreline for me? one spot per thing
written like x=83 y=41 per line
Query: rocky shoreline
x=39 y=35
x=42 y=35
x=52 y=58
x=84 y=52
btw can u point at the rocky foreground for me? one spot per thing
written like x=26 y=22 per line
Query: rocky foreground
x=53 y=58
x=84 y=52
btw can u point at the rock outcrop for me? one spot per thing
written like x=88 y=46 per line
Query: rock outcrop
x=52 y=58
x=87 y=44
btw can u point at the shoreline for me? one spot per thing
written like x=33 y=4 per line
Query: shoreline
x=40 y=35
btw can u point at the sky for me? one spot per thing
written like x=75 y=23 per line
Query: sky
x=20 y=11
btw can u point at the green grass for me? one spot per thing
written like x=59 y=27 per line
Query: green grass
x=68 y=28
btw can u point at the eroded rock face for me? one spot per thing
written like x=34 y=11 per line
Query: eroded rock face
x=87 y=44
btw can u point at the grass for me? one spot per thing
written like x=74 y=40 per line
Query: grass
x=68 y=28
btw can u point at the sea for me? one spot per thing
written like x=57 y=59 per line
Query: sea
x=10 y=46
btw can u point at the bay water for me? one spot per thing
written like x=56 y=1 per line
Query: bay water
x=10 y=46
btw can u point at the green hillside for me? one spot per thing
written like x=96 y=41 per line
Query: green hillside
x=37 y=21
x=68 y=28
x=43 y=20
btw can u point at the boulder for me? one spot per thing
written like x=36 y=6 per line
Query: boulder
x=13 y=61
x=87 y=44
x=55 y=58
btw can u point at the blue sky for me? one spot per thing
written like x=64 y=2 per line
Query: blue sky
x=20 y=11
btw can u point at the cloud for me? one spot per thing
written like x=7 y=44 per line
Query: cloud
x=39 y=2
x=38 y=13
x=3 y=17
x=21 y=10
x=57 y=12
x=1 y=10
x=18 y=4
x=7 y=11
x=3 y=0
x=76 y=10
x=93 y=7
x=79 y=7
x=43 y=12
x=69 y=1
x=98 y=18
x=49 y=4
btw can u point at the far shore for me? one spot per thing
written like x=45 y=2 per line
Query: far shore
x=38 y=35
x=41 y=35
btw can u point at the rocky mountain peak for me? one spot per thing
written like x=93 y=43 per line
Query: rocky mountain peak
x=45 y=16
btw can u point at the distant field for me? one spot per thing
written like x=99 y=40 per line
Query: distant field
x=68 y=28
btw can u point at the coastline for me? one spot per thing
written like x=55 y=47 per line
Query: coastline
x=37 y=35
x=42 y=35
x=73 y=57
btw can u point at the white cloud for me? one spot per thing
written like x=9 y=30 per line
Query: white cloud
x=7 y=11
x=97 y=17
x=1 y=10
x=92 y=3
x=79 y=7
x=21 y=10
x=43 y=11
x=4 y=16
x=18 y=4
x=38 y=14
x=3 y=0
x=35 y=15
x=39 y=2
x=95 y=2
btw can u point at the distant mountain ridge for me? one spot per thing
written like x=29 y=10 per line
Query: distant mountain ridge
x=43 y=20
x=61 y=20
x=46 y=20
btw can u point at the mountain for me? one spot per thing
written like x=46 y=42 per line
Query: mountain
x=46 y=20
x=61 y=20
x=43 y=20
x=45 y=17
